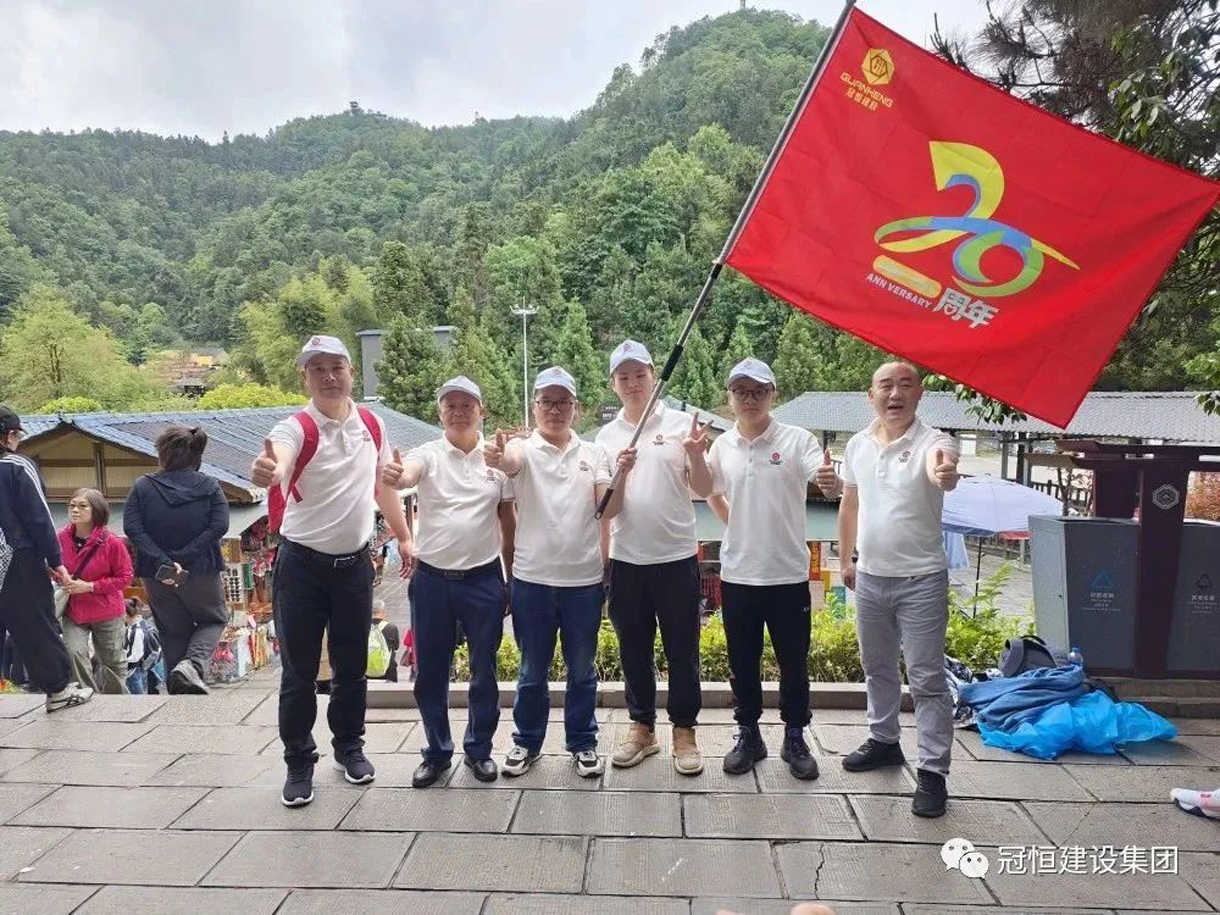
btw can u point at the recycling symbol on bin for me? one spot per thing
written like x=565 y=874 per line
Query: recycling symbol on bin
x=1166 y=496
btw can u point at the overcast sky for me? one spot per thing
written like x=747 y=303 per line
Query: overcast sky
x=201 y=67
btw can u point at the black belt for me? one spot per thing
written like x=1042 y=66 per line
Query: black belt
x=458 y=574
x=329 y=559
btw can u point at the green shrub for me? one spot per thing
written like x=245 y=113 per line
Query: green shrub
x=975 y=636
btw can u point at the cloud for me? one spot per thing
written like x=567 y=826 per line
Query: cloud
x=203 y=68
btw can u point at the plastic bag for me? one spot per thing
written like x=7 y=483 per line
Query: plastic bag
x=1093 y=723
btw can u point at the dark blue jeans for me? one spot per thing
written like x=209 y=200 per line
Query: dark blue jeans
x=540 y=612
x=438 y=605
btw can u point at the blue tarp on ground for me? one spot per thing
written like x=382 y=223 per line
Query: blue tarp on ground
x=1047 y=711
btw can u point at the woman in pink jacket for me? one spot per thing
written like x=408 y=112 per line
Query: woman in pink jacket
x=100 y=566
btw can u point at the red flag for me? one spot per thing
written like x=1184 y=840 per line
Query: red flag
x=939 y=218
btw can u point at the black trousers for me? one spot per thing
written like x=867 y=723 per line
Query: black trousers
x=27 y=611
x=641 y=596
x=313 y=592
x=784 y=610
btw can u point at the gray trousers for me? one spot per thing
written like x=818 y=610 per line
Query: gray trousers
x=108 y=639
x=190 y=619
x=910 y=613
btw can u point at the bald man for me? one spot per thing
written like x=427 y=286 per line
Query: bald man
x=895 y=475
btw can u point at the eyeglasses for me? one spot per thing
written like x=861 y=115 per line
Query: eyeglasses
x=80 y=506
x=557 y=406
x=755 y=394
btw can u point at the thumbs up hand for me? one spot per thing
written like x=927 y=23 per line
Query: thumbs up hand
x=493 y=451
x=944 y=470
x=827 y=480
x=266 y=471
x=391 y=473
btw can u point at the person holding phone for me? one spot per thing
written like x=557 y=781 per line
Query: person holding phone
x=30 y=558
x=176 y=518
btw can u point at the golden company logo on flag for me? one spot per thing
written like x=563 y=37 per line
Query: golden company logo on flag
x=878 y=67
x=953 y=165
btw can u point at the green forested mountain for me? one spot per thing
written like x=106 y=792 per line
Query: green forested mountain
x=606 y=222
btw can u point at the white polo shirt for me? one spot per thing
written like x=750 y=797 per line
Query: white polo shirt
x=766 y=482
x=657 y=521
x=335 y=514
x=899 y=532
x=459 y=527
x=558 y=540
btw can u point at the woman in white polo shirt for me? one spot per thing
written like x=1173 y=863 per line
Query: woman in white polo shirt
x=458 y=577
x=762 y=468
x=557 y=569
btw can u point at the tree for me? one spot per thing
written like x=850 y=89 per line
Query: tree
x=400 y=287
x=49 y=351
x=477 y=355
x=411 y=368
x=235 y=396
x=574 y=351
x=694 y=377
x=70 y=405
x=740 y=346
x=797 y=362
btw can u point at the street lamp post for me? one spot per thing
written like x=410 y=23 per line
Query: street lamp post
x=525 y=361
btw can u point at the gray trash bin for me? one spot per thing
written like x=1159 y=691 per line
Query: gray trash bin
x=1084 y=572
x=1194 y=637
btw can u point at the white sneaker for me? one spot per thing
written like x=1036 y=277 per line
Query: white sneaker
x=518 y=761
x=70 y=696
x=589 y=764
x=1200 y=803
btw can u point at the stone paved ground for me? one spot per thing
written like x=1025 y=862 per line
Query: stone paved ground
x=168 y=805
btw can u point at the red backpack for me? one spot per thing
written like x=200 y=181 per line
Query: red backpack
x=276 y=503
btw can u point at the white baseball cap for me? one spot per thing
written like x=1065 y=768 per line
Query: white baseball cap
x=555 y=376
x=321 y=345
x=461 y=384
x=629 y=351
x=754 y=369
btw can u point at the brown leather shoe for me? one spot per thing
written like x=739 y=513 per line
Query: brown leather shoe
x=641 y=741
x=687 y=759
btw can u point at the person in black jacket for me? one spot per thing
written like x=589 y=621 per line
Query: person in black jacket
x=176 y=518
x=29 y=550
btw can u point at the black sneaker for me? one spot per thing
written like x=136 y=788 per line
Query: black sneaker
x=931 y=795
x=873 y=754
x=429 y=772
x=185 y=678
x=355 y=767
x=484 y=769
x=298 y=787
x=796 y=754
x=519 y=760
x=749 y=750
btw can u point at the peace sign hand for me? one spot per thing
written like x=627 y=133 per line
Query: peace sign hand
x=696 y=440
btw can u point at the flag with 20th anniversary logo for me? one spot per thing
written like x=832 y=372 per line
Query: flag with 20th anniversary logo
x=938 y=218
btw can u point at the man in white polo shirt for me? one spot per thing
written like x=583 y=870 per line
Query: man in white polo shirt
x=458 y=579
x=558 y=480
x=895 y=475
x=654 y=572
x=323 y=571
x=762 y=468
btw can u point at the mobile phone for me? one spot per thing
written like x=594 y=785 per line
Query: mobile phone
x=168 y=573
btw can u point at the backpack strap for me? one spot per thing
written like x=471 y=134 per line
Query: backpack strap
x=370 y=422
x=309 y=448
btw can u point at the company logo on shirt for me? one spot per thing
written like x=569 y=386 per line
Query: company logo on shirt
x=365 y=437
x=776 y=459
x=584 y=466
x=491 y=475
x=659 y=440
x=906 y=456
